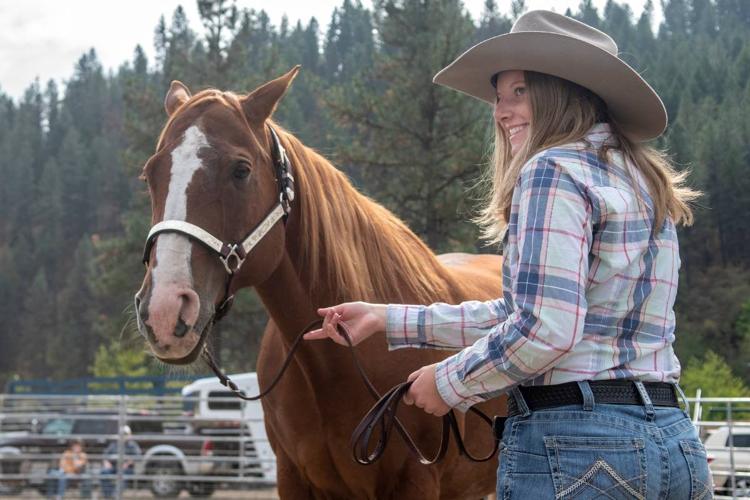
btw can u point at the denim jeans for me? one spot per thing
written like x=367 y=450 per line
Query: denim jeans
x=602 y=451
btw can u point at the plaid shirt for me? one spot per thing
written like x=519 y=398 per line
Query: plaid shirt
x=588 y=288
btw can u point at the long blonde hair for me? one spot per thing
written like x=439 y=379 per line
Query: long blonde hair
x=563 y=112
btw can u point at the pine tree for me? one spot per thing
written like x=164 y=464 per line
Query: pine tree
x=418 y=145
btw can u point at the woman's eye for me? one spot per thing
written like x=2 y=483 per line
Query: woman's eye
x=241 y=170
x=519 y=91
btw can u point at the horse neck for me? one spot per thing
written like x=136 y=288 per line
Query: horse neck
x=346 y=247
x=286 y=300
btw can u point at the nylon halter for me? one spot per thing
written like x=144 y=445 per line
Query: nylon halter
x=232 y=255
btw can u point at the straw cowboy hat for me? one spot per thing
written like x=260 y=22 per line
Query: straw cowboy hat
x=557 y=45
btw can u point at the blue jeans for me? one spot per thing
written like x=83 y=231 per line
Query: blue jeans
x=108 y=485
x=57 y=484
x=602 y=451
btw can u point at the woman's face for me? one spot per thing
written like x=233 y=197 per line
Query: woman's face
x=513 y=108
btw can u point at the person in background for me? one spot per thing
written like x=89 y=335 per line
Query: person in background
x=73 y=462
x=131 y=451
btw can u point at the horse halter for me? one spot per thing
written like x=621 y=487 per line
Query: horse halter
x=232 y=255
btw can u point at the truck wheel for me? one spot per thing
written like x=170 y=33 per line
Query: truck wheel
x=10 y=487
x=742 y=487
x=165 y=487
x=203 y=489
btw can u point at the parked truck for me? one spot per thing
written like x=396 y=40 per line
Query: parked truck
x=234 y=429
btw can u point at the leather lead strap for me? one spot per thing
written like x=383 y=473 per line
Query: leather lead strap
x=382 y=415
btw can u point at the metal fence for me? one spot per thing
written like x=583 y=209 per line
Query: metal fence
x=724 y=427
x=181 y=450
x=135 y=446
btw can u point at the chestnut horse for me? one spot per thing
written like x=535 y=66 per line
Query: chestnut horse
x=214 y=169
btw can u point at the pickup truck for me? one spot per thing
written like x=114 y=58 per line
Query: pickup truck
x=729 y=455
x=234 y=429
x=164 y=455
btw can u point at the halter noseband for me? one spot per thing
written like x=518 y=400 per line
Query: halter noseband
x=232 y=255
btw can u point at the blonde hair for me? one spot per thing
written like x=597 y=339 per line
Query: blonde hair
x=563 y=112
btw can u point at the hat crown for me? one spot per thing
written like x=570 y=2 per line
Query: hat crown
x=550 y=22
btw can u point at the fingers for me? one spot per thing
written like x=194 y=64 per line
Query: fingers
x=318 y=334
x=408 y=398
x=323 y=311
x=414 y=375
x=329 y=328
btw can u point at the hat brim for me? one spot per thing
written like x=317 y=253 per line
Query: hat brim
x=631 y=101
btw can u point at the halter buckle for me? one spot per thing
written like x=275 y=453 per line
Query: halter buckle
x=232 y=258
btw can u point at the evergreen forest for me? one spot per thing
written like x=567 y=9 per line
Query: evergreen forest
x=74 y=214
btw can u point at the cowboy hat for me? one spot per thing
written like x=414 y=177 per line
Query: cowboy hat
x=558 y=45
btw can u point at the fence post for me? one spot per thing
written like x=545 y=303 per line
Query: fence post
x=731 y=447
x=697 y=408
x=243 y=423
x=120 y=447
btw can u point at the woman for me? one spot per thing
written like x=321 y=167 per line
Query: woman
x=582 y=337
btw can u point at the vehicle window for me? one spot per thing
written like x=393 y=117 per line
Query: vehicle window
x=95 y=427
x=147 y=427
x=190 y=403
x=224 y=403
x=740 y=441
x=58 y=426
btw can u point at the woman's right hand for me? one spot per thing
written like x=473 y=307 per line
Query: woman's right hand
x=362 y=319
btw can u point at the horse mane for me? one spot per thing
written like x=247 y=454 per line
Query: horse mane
x=349 y=243
x=352 y=244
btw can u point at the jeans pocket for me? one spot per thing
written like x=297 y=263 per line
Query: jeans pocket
x=597 y=467
x=701 y=485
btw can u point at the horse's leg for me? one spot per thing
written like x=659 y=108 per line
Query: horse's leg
x=289 y=482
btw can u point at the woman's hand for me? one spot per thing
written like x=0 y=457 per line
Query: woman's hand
x=361 y=318
x=424 y=393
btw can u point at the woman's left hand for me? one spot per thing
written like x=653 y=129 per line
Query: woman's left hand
x=424 y=393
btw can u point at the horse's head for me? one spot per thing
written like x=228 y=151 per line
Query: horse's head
x=212 y=180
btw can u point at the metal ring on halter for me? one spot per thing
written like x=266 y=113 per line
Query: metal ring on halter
x=237 y=255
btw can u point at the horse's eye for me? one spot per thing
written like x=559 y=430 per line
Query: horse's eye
x=241 y=170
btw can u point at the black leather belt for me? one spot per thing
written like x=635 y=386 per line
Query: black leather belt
x=618 y=392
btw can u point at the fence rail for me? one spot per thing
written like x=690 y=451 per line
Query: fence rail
x=133 y=445
x=182 y=451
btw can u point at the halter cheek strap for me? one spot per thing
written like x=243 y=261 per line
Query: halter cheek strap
x=232 y=255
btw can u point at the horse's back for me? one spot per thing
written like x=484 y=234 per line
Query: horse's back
x=479 y=275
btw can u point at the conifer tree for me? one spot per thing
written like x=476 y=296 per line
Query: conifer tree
x=419 y=146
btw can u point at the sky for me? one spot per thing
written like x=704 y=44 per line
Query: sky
x=44 y=38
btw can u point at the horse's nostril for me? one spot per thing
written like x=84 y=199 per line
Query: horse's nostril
x=181 y=329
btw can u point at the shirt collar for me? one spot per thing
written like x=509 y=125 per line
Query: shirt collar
x=601 y=134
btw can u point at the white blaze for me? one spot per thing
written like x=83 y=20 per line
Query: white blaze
x=173 y=251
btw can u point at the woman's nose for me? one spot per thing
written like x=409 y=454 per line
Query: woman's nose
x=502 y=112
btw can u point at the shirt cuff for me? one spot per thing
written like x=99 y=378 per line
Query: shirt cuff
x=404 y=326
x=451 y=388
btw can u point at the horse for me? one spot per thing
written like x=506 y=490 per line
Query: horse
x=216 y=172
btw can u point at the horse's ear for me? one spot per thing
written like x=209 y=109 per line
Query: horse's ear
x=260 y=104
x=177 y=95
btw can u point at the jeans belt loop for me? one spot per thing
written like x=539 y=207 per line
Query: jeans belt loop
x=588 y=395
x=523 y=408
x=650 y=413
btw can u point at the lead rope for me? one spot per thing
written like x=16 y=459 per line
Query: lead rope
x=382 y=415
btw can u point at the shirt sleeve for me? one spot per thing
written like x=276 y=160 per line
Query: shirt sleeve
x=442 y=326
x=548 y=281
